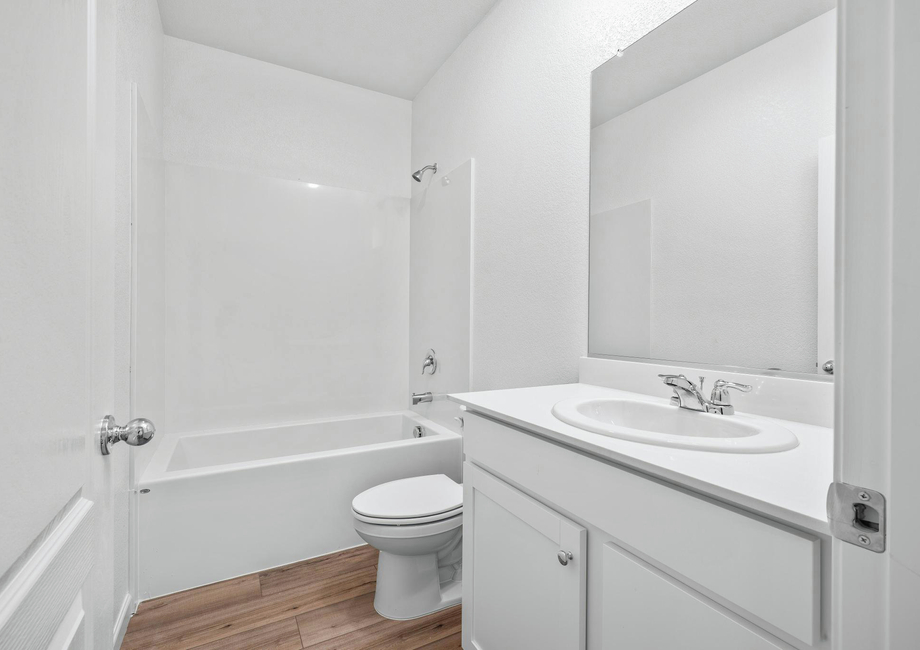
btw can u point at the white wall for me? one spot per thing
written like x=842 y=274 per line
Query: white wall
x=515 y=96
x=285 y=301
x=231 y=112
x=730 y=163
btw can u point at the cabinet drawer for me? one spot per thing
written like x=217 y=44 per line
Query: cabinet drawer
x=768 y=572
x=638 y=599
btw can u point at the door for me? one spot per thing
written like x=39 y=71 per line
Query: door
x=57 y=566
x=523 y=570
x=878 y=317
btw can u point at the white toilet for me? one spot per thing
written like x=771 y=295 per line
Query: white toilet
x=416 y=524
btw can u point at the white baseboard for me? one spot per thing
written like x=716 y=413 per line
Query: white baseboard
x=121 y=622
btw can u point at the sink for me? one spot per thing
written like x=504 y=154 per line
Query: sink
x=669 y=426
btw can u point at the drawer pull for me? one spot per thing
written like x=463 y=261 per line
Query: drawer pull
x=564 y=557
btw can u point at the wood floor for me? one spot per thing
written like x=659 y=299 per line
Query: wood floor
x=323 y=604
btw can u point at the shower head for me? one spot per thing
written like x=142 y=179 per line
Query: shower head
x=418 y=175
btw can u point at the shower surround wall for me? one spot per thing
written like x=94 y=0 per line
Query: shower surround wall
x=287 y=243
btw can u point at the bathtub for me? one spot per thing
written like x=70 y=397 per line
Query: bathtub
x=221 y=504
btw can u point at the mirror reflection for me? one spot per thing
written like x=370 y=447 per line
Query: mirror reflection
x=712 y=189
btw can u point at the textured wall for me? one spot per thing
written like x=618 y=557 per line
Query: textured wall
x=232 y=112
x=516 y=97
x=730 y=163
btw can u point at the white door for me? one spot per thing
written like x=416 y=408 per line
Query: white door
x=523 y=570
x=57 y=562
x=876 y=595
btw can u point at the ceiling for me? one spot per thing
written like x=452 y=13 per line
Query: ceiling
x=700 y=38
x=392 y=46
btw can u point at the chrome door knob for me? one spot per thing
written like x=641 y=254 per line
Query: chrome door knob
x=136 y=433
x=564 y=557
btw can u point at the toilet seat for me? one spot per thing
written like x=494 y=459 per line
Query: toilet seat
x=409 y=532
x=410 y=501
x=409 y=521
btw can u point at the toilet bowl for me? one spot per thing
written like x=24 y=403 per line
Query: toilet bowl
x=416 y=524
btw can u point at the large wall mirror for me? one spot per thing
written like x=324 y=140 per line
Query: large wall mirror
x=712 y=190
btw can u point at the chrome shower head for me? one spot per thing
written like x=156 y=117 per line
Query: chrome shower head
x=417 y=176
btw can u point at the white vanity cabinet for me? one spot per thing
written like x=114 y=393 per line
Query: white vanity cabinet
x=524 y=570
x=666 y=567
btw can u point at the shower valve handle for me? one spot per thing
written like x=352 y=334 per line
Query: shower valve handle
x=430 y=364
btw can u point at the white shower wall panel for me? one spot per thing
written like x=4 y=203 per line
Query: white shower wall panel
x=286 y=300
x=233 y=112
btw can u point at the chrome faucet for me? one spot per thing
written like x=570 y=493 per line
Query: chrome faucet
x=688 y=395
x=421 y=398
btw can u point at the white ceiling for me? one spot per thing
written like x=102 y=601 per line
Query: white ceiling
x=392 y=46
x=706 y=34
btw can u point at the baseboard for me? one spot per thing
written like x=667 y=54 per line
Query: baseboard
x=121 y=622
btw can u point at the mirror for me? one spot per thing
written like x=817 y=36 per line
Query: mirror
x=712 y=189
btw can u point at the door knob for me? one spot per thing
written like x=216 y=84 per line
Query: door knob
x=564 y=557
x=136 y=433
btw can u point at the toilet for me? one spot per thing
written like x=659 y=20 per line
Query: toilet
x=416 y=524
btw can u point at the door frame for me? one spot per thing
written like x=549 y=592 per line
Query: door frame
x=877 y=313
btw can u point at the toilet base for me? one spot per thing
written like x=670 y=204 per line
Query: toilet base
x=408 y=586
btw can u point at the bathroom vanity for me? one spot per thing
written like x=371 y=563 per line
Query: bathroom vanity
x=576 y=539
x=633 y=510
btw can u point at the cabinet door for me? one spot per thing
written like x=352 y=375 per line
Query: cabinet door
x=517 y=593
x=645 y=609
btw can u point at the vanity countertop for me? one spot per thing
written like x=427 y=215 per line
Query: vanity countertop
x=789 y=486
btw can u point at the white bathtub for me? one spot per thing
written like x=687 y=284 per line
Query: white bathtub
x=226 y=503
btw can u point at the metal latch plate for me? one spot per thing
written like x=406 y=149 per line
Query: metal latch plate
x=857 y=515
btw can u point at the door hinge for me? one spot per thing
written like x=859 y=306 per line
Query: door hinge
x=857 y=515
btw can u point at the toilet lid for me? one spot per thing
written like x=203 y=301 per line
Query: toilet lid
x=409 y=498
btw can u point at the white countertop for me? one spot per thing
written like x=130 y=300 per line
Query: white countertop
x=790 y=486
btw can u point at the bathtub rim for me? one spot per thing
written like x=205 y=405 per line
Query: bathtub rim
x=156 y=472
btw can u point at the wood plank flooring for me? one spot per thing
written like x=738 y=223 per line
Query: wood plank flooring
x=326 y=603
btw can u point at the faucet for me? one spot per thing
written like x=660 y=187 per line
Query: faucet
x=420 y=398
x=688 y=396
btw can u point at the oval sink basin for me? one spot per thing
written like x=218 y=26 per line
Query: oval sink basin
x=670 y=426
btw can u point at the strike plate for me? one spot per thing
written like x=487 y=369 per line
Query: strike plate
x=857 y=515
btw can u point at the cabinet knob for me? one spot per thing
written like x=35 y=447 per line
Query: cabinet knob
x=564 y=557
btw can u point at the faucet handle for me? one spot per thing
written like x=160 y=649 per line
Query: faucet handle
x=720 y=390
x=430 y=364
x=681 y=381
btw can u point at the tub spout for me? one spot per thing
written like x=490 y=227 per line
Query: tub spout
x=419 y=398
